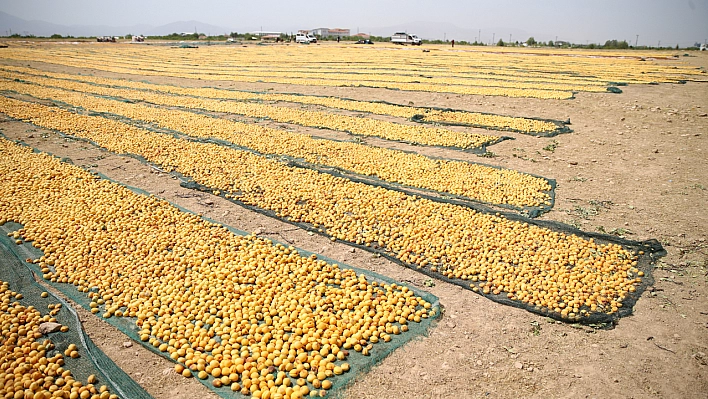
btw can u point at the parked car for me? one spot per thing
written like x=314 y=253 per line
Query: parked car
x=364 y=41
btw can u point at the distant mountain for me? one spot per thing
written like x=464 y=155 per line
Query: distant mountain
x=10 y=24
x=101 y=30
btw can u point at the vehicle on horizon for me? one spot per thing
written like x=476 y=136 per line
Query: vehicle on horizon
x=305 y=38
x=364 y=41
x=405 y=38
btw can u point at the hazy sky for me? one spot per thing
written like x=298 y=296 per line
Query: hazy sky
x=678 y=21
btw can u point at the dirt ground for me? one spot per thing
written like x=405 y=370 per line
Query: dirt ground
x=636 y=164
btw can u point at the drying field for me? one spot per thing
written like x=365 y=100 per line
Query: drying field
x=529 y=191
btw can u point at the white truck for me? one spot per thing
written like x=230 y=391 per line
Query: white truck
x=305 y=38
x=405 y=38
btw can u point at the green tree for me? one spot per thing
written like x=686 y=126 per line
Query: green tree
x=500 y=43
x=614 y=44
x=531 y=41
x=56 y=36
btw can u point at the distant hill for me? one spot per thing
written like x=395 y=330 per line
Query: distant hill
x=10 y=24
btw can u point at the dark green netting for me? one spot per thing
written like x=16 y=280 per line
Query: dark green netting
x=360 y=364
x=21 y=278
x=413 y=72
x=651 y=251
x=479 y=150
x=419 y=118
x=530 y=211
x=572 y=93
x=560 y=126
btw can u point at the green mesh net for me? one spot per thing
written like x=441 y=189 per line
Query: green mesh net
x=359 y=363
x=19 y=274
x=529 y=211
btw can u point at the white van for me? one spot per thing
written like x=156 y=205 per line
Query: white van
x=405 y=38
x=305 y=38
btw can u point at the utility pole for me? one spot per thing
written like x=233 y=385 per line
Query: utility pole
x=556 y=38
x=636 y=41
x=509 y=37
x=480 y=35
x=493 y=35
x=659 y=45
x=444 y=36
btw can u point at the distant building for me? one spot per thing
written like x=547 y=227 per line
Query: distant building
x=362 y=35
x=330 y=32
x=336 y=32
